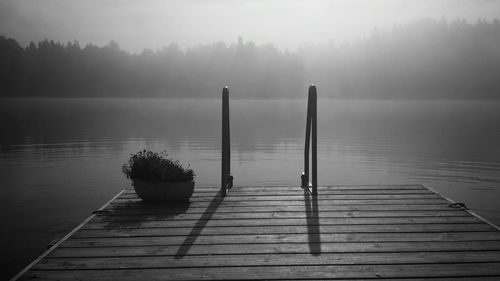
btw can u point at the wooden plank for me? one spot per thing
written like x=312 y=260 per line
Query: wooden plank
x=191 y=208
x=322 y=202
x=279 y=272
x=282 y=238
x=258 y=188
x=104 y=263
x=153 y=214
x=271 y=192
x=417 y=228
x=289 y=248
x=300 y=197
x=171 y=223
x=324 y=192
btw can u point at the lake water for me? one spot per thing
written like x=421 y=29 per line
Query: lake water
x=60 y=159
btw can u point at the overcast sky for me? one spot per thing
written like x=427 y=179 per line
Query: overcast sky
x=138 y=24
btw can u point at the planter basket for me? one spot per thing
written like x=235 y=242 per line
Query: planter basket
x=164 y=191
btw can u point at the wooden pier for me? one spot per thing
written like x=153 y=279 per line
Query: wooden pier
x=404 y=232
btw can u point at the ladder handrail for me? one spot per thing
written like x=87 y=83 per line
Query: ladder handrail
x=226 y=177
x=311 y=140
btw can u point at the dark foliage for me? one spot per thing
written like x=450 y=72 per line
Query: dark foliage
x=155 y=167
x=424 y=59
x=68 y=70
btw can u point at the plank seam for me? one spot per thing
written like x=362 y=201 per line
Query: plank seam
x=274 y=265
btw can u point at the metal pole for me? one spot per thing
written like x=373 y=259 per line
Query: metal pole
x=311 y=140
x=312 y=92
x=305 y=173
x=225 y=140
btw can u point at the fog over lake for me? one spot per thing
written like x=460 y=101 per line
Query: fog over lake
x=60 y=159
x=408 y=93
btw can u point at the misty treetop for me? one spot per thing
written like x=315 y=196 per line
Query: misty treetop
x=54 y=69
x=424 y=59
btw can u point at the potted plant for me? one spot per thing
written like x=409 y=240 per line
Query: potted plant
x=157 y=178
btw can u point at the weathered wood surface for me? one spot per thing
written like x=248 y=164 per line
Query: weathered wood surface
x=404 y=232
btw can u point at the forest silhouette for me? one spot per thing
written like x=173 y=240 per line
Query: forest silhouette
x=423 y=59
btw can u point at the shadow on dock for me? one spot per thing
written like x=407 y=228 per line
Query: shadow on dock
x=313 y=226
x=142 y=212
x=199 y=226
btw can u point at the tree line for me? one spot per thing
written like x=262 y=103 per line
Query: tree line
x=423 y=59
